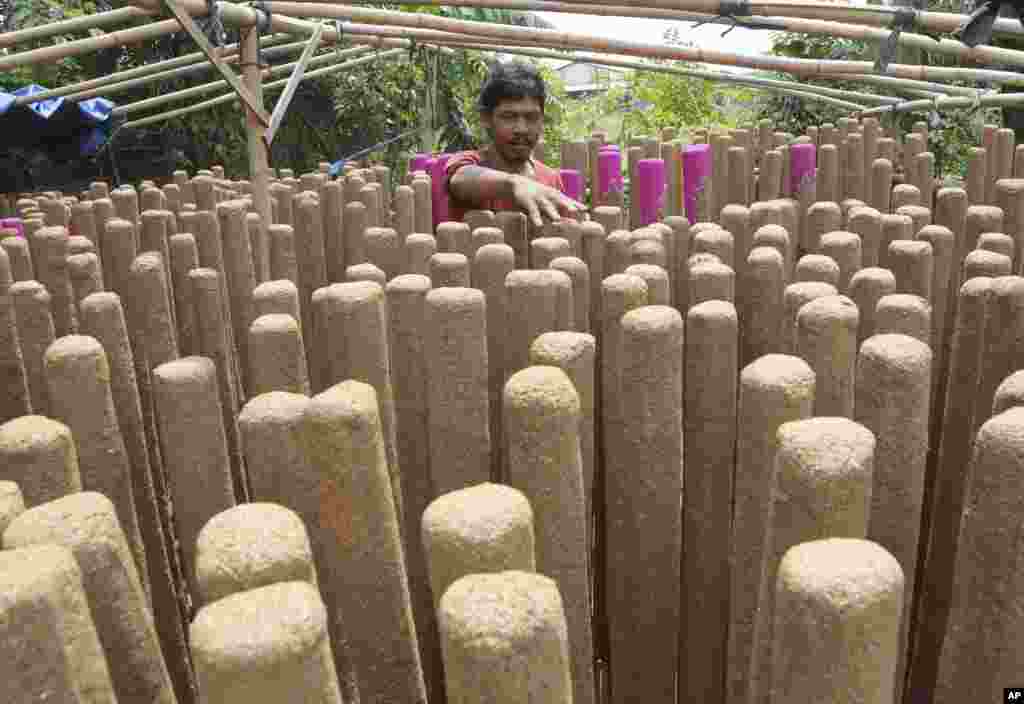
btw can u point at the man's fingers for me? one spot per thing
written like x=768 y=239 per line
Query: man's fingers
x=533 y=212
x=568 y=206
x=550 y=210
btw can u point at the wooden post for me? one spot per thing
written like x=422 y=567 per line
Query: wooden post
x=259 y=168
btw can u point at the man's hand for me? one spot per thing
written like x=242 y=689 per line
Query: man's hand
x=541 y=202
x=477 y=184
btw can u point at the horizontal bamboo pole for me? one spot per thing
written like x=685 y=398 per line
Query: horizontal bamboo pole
x=871 y=15
x=983 y=54
x=200 y=67
x=234 y=15
x=328 y=57
x=570 y=40
x=93 y=87
x=177 y=73
x=273 y=85
x=74 y=24
x=831 y=96
x=110 y=40
x=986 y=101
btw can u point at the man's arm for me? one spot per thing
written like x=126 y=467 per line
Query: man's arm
x=477 y=184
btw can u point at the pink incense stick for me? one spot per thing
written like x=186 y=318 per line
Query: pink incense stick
x=803 y=166
x=13 y=224
x=438 y=192
x=609 y=173
x=696 y=172
x=649 y=190
x=572 y=183
x=419 y=163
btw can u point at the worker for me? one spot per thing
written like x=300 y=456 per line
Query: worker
x=504 y=175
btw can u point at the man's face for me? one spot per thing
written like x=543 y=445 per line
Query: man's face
x=517 y=125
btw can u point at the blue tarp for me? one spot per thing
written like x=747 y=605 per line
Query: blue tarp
x=64 y=129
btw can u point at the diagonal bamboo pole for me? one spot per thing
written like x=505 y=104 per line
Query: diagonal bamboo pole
x=160 y=70
x=837 y=98
x=903 y=83
x=73 y=24
x=230 y=97
x=217 y=85
x=293 y=82
x=570 y=40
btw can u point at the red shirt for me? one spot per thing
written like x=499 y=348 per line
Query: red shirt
x=458 y=209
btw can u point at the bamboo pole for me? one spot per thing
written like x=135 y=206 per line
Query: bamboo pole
x=570 y=40
x=329 y=57
x=227 y=98
x=159 y=71
x=904 y=83
x=110 y=40
x=74 y=24
x=259 y=166
x=870 y=15
x=984 y=54
x=986 y=101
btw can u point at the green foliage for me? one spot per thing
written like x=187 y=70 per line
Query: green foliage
x=602 y=111
x=24 y=14
x=647 y=103
x=675 y=101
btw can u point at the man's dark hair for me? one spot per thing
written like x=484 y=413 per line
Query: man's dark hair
x=512 y=80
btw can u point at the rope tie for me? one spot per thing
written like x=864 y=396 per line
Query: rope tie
x=732 y=11
x=905 y=19
x=339 y=27
x=975 y=104
x=215 y=24
x=262 y=26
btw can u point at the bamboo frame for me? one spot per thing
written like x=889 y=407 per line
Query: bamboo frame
x=228 y=97
x=203 y=88
x=241 y=16
x=160 y=70
x=570 y=40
